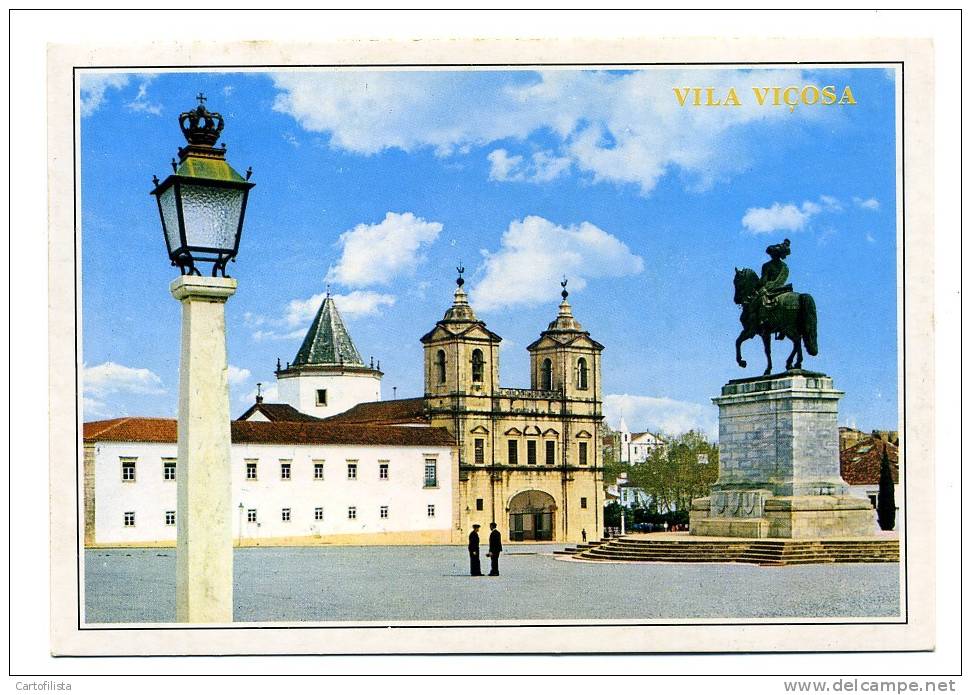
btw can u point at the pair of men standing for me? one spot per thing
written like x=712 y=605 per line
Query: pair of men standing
x=495 y=547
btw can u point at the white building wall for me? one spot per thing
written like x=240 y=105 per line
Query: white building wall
x=867 y=492
x=344 y=391
x=149 y=496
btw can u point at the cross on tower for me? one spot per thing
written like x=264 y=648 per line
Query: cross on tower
x=461 y=269
x=202 y=99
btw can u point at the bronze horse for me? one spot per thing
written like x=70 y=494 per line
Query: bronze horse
x=791 y=315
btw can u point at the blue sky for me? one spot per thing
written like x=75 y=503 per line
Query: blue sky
x=379 y=183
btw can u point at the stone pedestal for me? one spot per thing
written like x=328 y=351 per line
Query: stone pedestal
x=779 y=470
x=204 y=540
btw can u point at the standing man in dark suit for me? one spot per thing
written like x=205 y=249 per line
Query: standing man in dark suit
x=476 y=568
x=495 y=547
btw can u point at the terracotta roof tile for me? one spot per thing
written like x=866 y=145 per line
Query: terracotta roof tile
x=137 y=429
x=860 y=463
x=397 y=412
x=277 y=412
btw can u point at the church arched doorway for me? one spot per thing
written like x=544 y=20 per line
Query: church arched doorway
x=531 y=516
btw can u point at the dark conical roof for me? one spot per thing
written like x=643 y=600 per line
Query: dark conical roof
x=328 y=342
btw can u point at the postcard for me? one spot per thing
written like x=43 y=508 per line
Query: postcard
x=492 y=347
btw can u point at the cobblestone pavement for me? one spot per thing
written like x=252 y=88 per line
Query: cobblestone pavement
x=409 y=583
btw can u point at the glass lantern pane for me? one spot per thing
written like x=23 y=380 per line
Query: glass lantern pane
x=170 y=218
x=211 y=215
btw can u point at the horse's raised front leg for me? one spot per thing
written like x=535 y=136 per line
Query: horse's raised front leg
x=767 y=343
x=742 y=337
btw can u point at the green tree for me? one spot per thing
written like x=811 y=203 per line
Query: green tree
x=886 y=504
x=677 y=473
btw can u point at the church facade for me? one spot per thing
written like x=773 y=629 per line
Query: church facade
x=528 y=458
x=336 y=464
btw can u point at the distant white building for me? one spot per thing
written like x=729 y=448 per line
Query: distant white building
x=637 y=447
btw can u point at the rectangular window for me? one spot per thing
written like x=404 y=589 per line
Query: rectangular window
x=583 y=453
x=352 y=512
x=352 y=471
x=550 y=453
x=251 y=516
x=383 y=471
x=431 y=510
x=170 y=518
x=531 y=452
x=479 y=504
x=251 y=470
x=480 y=451
x=285 y=514
x=583 y=503
x=318 y=470
x=431 y=473
x=321 y=396
x=285 y=470
x=128 y=470
x=513 y=452
x=129 y=518
x=318 y=513
x=384 y=512
x=168 y=469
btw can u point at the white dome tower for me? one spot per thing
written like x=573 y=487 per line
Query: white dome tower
x=328 y=375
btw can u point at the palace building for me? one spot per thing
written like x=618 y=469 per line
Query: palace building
x=334 y=463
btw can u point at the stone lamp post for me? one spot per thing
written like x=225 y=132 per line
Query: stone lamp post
x=201 y=206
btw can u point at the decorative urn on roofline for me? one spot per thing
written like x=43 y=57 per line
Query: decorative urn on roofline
x=203 y=203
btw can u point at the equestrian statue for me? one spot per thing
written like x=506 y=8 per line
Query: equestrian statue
x=770 y=307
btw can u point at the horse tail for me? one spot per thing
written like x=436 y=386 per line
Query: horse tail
x=807 y=315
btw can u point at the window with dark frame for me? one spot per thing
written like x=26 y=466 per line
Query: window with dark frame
x=431 y=510
x=583 y=503
x=285 y=514
x=431 y=473
x=170 y=518
x=318 y=513
x=383 y=512
x=477 y=366
x=513 y=447
x=530 y=452
x=128 y=470
x=546 y=375
x=383 y=471
x=129 y=518
x=251 y=470
x=321 y=396
x=352 y=471
x=318 y=470
x=550 y=453
x=352 y=512
x=479 y=451
x=168 y=470
x=583 y=453
x=582 y=373
x=440 y=364
x=251 y=516
x=479 y=504
x=285 y=470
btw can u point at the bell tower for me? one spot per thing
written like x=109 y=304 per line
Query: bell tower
x=565 y=358
x=461 y=354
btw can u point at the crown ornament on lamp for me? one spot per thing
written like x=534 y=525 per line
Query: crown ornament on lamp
x=203 y=202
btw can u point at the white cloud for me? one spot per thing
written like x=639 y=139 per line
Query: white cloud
x=868 y=204
x=261 y=335
x=542 y=167
x=299 y=312
x=672 y=417
x=237 y=375
x=109 y=377
x=94 y=86
x=534 y=254
x=373 y=254
x=778 y=217
x=141 y=102
x=619 y=128
x=92 y=407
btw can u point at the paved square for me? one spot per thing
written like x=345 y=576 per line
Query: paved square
x=411 y=583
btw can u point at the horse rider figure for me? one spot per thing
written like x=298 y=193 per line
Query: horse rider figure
x=773 y=281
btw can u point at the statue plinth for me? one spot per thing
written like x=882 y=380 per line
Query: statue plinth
x=779 y=469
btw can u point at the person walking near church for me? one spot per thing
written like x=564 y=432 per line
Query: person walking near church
x=476 y=568
x=495 y=547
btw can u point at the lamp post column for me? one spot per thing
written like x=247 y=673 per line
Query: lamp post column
x=204 y=545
